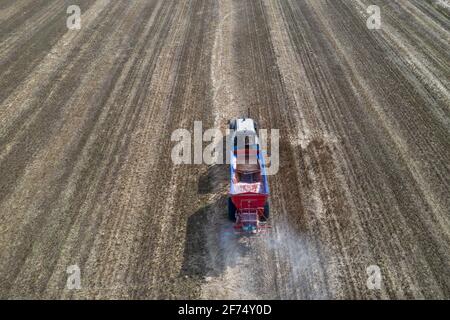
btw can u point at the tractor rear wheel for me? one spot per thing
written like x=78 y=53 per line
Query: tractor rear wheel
x=231 y=210
x=266 y=212
x=232 y=124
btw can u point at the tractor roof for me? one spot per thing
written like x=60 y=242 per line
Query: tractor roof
x=245 y=124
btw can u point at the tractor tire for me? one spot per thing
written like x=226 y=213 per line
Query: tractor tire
x=266 y=212
x=232 y=124
x=231 y=210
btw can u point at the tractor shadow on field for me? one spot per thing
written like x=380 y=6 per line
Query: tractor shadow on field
x=195 y=249
x=216 y=177
x=214 y=180
x=211 y=244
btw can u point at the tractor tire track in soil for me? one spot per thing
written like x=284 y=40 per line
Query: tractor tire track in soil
x=86 y=176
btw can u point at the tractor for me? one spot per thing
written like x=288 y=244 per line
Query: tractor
x=248 y=204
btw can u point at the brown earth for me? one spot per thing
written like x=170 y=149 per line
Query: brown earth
x=86 y=176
